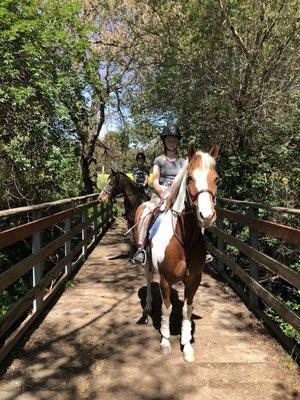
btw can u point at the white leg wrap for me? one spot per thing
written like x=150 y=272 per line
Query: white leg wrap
x=165 y=321
x=186 y=328
x=186 y=332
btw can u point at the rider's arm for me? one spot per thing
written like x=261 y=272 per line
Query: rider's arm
x=156 y=185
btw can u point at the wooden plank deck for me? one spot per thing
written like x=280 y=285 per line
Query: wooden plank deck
x=89 y=346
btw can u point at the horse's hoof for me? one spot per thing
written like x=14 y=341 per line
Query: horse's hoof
x=147 y=311
x=165 y=347
x=188 y=353
x=166 y=350
x=189 y=357
x=143 y=320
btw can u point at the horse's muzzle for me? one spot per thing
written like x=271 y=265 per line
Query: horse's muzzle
x=207 y=222
x=103 y=197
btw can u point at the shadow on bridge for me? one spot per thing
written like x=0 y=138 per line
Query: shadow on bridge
x=91 y=347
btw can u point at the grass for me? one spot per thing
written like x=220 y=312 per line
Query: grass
x=71 y=283
x=102 y=179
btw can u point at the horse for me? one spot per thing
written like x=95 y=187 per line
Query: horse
x=177 y=251
x=119 y=183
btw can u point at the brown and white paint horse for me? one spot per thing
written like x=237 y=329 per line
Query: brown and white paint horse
x=177 y=250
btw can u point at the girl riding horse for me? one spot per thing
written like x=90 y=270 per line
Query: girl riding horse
x=165 y=168
x=178 y=247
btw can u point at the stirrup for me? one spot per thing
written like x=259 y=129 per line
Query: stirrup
x=209 y=258
x=140 y=257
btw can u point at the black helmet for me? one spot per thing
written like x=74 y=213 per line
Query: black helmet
x=170 y=130
x=140 y=156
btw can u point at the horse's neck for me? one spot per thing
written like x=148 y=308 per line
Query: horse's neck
x=189 y=225
x=131 y=193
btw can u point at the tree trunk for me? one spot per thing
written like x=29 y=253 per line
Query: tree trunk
x=88 y=160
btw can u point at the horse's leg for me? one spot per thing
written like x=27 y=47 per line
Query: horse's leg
x=166 y=309
x=190 y=289
x=149 y=279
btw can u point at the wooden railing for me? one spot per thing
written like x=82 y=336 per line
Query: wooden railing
x=83 y=219
x=256 y=296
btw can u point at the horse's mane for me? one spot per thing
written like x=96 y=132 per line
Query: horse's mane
x=129 y=179
x=178 y=191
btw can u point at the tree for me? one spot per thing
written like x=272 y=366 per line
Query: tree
x=227 y=71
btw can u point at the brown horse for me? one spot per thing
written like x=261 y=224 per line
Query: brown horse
x=177 y=250
x=119 y=183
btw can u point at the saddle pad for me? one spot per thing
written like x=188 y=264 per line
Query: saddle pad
x=154 y=227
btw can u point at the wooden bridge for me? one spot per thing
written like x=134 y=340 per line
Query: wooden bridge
x=86 y=344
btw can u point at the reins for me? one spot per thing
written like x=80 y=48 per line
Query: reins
x=187 y=247
x=190 y=204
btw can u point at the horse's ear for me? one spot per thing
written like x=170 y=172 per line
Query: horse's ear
x=214 y=151
x=112 y=171
x=191 y=151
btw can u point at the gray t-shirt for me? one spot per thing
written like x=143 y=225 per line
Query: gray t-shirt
x=168 y=169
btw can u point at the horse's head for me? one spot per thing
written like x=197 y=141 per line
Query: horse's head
x=111 y=189
x=201 y=184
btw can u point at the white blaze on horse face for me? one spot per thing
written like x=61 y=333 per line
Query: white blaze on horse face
x=205 y=201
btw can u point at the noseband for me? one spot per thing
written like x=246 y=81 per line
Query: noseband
x=107 y=192
x=193 y=198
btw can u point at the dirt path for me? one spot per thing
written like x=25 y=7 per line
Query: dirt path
x=90 y=347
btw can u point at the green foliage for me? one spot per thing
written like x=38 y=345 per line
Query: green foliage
x=43 y=71
x=228 y=76
x=71 y=283
x=285 y=326
x=117 y=210
x=6 y=301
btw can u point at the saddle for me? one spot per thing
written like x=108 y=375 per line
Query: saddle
x=154 y=224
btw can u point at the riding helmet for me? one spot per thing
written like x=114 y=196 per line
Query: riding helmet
x=140 y=156
x=170 y=130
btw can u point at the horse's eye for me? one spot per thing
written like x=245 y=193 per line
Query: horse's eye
x=188 y=179
x=216 y=179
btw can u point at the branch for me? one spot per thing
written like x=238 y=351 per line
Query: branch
x=268 y=31
x=233 y=29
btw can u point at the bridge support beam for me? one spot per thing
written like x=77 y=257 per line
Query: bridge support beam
x=254 y=268
x=68 y=245
x=220 y=242
x=37 y=270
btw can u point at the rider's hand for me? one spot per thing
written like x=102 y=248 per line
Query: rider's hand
x=164 y=201
x=165 y=196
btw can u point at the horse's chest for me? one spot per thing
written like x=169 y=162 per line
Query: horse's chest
x=162 y=238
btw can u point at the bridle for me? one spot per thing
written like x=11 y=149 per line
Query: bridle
x=129 y=212
x=107 y=192
x=190 y=200
x=110 y=192
x=193 y=198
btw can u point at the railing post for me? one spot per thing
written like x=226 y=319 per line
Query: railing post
x=101 y=222
x=254 y=268
x=220 y=242
x=68 y=245
x=95 y=222
x=37 y=270
x=111 y=211
x=104 y=215
x=84 y=232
